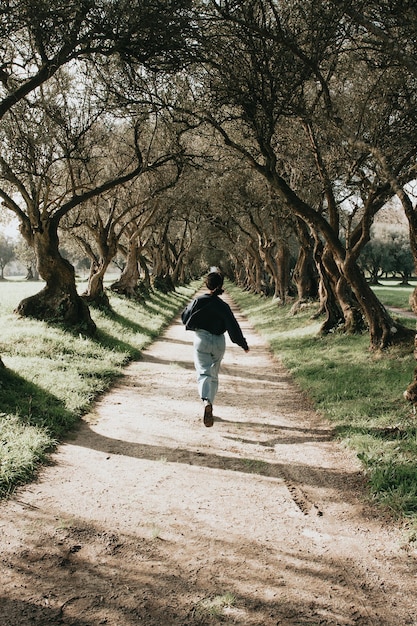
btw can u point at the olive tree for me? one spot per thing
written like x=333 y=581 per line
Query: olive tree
x=50 y=102
x=127 y=210
x=280 y=72
x=56 y=162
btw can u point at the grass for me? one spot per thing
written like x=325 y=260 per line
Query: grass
x=359 y=391
x=395 y=295
x=53 y=376
x=214 y=607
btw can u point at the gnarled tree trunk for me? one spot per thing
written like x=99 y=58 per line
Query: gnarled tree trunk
x=305 y=276
x=253 y=266
x=268 y=257
x=128 y=282
x=95 y=293
x=353 y=321
x=100 y=258
x=329 y=304
x=283 y=270
x=58 y=301
x=179 y=261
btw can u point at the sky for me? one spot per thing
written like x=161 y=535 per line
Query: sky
x=10 y=230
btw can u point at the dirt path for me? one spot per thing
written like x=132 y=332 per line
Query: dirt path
x=146 y=517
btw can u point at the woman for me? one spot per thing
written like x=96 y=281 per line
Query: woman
x=209 y=317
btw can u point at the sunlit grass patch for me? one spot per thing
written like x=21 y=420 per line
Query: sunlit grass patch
x=22 y=446
x=215 y=606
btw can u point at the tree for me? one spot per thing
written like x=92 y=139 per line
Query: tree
x=265 y=226
x=45 y=174
x=390 y=29
x=283 y=83
x=7 y=253
x=397 y=258
x=390 y=26
x=374 y=260
x=26 y=255
x=60 y=164
x=401 y=258
x=40 y=37
x=100 y=226
x=305 y=275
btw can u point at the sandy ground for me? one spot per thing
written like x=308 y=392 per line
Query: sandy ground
x=146 y=517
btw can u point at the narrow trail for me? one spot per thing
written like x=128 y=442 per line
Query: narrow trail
x=146 y=517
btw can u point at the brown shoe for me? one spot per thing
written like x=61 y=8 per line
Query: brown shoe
x=208 y=414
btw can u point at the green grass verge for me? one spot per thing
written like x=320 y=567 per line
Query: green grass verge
x=52 y=376
x=395 y=295
x=360 y=392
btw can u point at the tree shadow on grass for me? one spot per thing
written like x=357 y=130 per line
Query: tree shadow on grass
x=117 y=344
x=131 y=325
x=152 y=303
x=385 y=433
x=34 y=405
x=391 y=477
x=32 y=420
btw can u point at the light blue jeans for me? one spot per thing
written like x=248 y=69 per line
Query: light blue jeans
x=208 y=353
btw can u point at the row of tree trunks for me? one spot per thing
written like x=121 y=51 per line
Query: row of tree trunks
x=347 y=298
x=382 y=329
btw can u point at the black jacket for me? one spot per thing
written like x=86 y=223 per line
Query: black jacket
x=210 y=313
